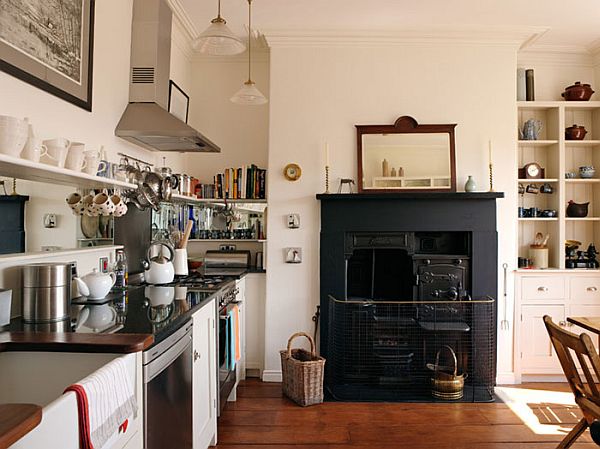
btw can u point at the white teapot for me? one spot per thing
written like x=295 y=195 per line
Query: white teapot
x=96 y=285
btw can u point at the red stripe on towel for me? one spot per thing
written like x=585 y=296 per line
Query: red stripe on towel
x=85 y=439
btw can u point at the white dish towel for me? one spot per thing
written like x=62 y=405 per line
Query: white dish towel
x=105 y=401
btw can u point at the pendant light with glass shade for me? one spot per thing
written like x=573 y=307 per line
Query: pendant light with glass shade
x=218 y=39
x=249 y=94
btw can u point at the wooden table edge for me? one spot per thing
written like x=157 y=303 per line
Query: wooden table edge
x=32 y=416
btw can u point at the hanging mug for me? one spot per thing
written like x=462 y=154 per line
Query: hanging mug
x=546 y=188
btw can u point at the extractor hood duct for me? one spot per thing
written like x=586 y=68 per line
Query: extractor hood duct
x=146 y=120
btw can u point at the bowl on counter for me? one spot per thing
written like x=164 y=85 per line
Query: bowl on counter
x=578 y=92
x=575 y=132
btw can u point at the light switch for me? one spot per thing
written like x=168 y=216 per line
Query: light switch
x=293 y=221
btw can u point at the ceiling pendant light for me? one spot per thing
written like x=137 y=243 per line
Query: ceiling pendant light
x=218 y=39
x=249 y=94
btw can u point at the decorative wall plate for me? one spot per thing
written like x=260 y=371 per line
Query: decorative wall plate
x=292 y=172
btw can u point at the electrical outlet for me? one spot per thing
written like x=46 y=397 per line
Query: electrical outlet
x=49 y=220
x=293 y=221
x=227 y=247
x=104 y=264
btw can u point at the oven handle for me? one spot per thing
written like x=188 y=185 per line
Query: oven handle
x=158 y=365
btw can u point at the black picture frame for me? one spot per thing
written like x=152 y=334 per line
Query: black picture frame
x=75 y=87
x=179 y=102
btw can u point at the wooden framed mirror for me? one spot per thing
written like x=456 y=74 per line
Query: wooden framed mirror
x=406 y=156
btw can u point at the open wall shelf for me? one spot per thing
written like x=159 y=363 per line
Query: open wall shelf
x=559 y=156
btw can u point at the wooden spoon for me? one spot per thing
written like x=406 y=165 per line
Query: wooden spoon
x=186 y=235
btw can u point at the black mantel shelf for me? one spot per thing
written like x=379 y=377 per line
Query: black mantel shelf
x=411 y=195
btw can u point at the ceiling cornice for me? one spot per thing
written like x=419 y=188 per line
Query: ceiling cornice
x=475 y=35
x=557 y=55
x=181 y=40
x=184 y=19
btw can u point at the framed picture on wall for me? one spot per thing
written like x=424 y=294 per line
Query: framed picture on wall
x=179 y=102
x=49 y=44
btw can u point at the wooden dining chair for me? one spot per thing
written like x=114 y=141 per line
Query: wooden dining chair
x=585 y=388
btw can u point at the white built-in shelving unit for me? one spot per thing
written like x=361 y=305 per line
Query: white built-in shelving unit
x=559 y=156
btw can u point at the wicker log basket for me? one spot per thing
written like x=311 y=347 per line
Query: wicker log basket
x=302 y=373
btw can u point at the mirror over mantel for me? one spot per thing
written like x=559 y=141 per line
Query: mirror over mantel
x=406 y=156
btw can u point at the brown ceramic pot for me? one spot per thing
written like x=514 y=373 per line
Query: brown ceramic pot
x=577 y=210
x=578 y=92
x=575 y=132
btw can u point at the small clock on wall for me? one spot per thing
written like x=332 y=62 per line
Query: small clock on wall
x=533 y=170
x=292 y=172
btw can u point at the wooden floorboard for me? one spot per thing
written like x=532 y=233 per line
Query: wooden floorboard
x=262 y=418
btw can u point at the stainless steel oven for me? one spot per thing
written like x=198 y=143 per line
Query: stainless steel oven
x=168 y=392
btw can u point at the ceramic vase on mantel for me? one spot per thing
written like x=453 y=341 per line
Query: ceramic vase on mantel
x=385 y=168
x=470 y=185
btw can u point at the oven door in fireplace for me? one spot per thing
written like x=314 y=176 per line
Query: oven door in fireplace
x=442 y=279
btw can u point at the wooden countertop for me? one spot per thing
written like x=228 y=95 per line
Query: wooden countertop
x=16 y=421
x=73 y=342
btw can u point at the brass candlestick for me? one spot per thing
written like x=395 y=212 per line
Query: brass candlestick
x=491 y=178
x=327 y=179
x=14 y=187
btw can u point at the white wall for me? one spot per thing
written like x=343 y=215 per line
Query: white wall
x=53 y=117
x=240 y=131
x=319 y=93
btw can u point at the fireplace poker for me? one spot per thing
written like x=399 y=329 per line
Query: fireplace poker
x=504 y=325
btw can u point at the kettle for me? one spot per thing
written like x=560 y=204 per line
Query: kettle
x=95 y=285
x=159 y=269
x=531 y=129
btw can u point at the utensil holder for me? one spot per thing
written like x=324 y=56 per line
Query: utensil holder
x=539 y=256
x=180 y=262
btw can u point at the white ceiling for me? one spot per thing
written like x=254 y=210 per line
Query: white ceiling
x=571 y=23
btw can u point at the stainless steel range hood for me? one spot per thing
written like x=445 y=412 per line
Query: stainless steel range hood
x=146 y=120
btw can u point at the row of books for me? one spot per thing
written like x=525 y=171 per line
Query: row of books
x=247 y=182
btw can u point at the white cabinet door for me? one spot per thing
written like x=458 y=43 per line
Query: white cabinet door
x=204 y=384
x=587 y=310
x=537 y=354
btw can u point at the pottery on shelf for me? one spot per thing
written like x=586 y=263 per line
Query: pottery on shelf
x=470 y=185
x=531 y=129
x=575 y=132
x=577 y=210
x=578 y=92
x=385 y=168
x=587 y=171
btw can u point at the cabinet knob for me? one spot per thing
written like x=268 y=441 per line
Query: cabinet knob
x=562 y=323
x=196 y=355
x=592 y=289
x=542 y=289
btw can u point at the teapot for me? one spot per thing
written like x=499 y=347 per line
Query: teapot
x=159 y=269
x=95 y=285
x=531 y=129
x=96 y=317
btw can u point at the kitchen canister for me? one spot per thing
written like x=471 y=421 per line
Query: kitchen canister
x=46 y=292
x=539 y=256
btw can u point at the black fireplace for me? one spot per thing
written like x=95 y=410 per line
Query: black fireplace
x=407 y=279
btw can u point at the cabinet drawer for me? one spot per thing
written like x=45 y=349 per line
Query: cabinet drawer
x=585 y=289
x=543 y=287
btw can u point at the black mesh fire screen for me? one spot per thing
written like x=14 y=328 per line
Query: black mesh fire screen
x=409 y=351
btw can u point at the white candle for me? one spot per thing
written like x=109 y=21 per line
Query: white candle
x=326 y=154
x=490 y=148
